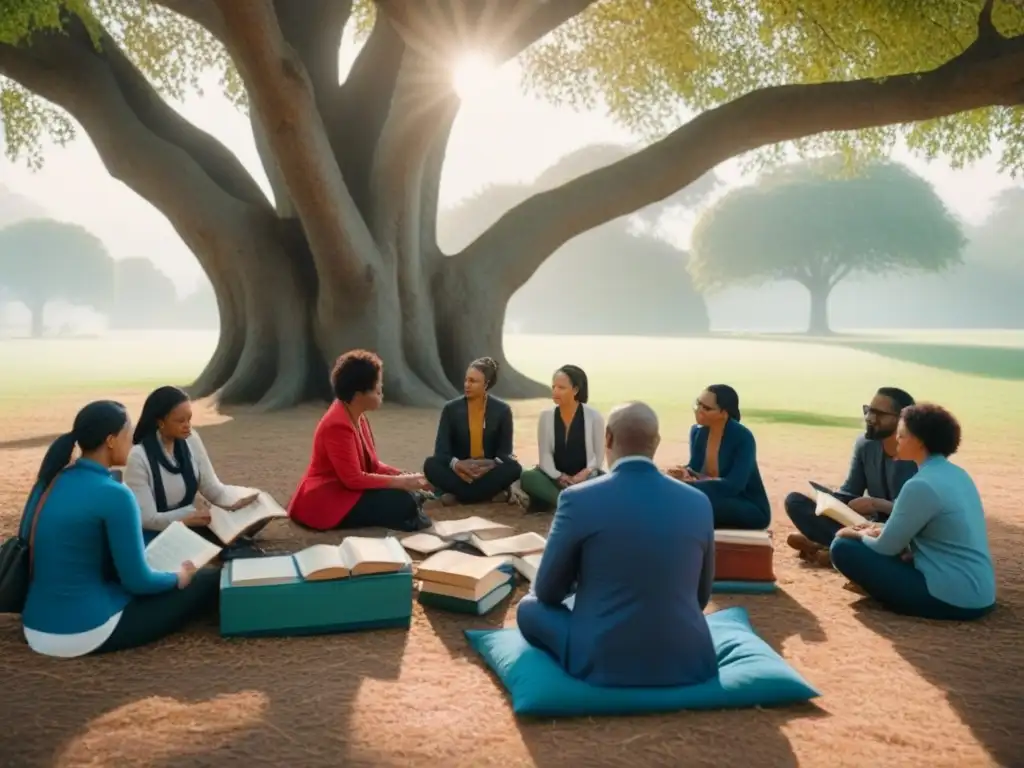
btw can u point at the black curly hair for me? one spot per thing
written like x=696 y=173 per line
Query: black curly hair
x=936 y=428
x=354 y=372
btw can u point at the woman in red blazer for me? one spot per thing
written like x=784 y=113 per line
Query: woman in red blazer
x=345 y=484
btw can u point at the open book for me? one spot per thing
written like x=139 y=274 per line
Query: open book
x=734 y=536
x=425 y=543
x=459 y=574
x=355 y=556
x=521 y=544
x=177 y=543
x=229 y=525
x=829 y=506
x=462 y=530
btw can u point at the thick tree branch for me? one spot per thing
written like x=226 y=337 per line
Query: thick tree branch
x=203 y=12
x=357 y=114
x=542 y=17
x=314 y=28
x=282 y=95
x=989 y=73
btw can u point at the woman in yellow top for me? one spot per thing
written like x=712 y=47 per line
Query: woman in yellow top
x=473 y=460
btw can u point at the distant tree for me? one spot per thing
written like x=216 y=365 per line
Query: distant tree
x=999 y=242
x=43 y=260
x=15 y=207
x=198 y=310
x=605 y=281
x=811 y=224
x=144 y=297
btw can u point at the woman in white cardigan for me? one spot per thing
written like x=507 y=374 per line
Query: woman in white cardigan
x=570 y=441
x=170 y=472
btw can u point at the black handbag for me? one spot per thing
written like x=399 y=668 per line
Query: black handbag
x=16 y=564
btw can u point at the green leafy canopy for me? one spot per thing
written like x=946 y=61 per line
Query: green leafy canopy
x=647 y=62
x=808 y=223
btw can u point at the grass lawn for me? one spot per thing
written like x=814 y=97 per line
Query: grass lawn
x=895 y=691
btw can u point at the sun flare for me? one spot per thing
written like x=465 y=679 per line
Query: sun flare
x=472 y=75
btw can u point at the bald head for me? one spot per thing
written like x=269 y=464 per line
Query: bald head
x=632 y=431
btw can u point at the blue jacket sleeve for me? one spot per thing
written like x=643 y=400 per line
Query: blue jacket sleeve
x=696 y=463
x=741 y=465
x=560 y=563
x=123 y=524
x=916 y=505
x=856 y=480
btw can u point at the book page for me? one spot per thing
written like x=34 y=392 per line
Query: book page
x=365 y=554
x=229 y=525
x=830 y=506
x=177 y=543
x=462 y=529
x=461 y=565
x=524 y=543
x=251 y=571
x=527 y=565
x=320 y=557
x=425 y=543
x=754 y=538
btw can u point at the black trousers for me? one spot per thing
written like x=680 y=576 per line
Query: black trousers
x=390 y=508
x=440 y=475
x=150 y=618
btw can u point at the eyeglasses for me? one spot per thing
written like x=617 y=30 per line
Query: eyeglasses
x=868 y=410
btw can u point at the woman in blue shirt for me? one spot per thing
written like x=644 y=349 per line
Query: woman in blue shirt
x=82 y=524
x=931 y=558
x=723 y=462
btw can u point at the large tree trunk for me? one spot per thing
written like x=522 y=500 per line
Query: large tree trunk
x=346 y=256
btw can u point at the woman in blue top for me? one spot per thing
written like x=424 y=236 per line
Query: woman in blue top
x=723 y=462
x=86 y=523
x=931 y=558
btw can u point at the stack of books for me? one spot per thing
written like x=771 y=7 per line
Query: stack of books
x=744 y=561
x=363 y=583
x=464 y=583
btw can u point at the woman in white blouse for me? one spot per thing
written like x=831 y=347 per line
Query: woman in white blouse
x=570 y=441
x=170 y=472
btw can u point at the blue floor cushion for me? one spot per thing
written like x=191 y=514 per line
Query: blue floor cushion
x=726 y=587
x=750 y=674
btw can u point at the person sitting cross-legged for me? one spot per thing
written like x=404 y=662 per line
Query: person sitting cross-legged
x=473 y=460
x=872 y=485
x=91 y=589
x=345 y=484
x=636 y=550
x=570 y=441
x=931 y=559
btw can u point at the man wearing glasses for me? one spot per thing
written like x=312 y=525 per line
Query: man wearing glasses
x=874 y=481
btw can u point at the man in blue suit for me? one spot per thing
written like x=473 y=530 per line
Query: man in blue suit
x=638 y=548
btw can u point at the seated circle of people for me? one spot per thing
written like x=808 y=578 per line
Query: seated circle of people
x=873 y=482
x=171 y=475
x=570 y=441
x=931 y=558
x=636 y=551
x=91 y=589
x=473 y=460
x=346 y=485
x=723 y=462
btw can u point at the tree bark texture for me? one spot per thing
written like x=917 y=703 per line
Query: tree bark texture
x=346 y=255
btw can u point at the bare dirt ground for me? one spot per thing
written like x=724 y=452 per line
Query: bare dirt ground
x=895 y=691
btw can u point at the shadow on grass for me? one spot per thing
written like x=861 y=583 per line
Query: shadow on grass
x=1006 y=363
x=976 y=664
x=801 y=418
x=991 y=362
